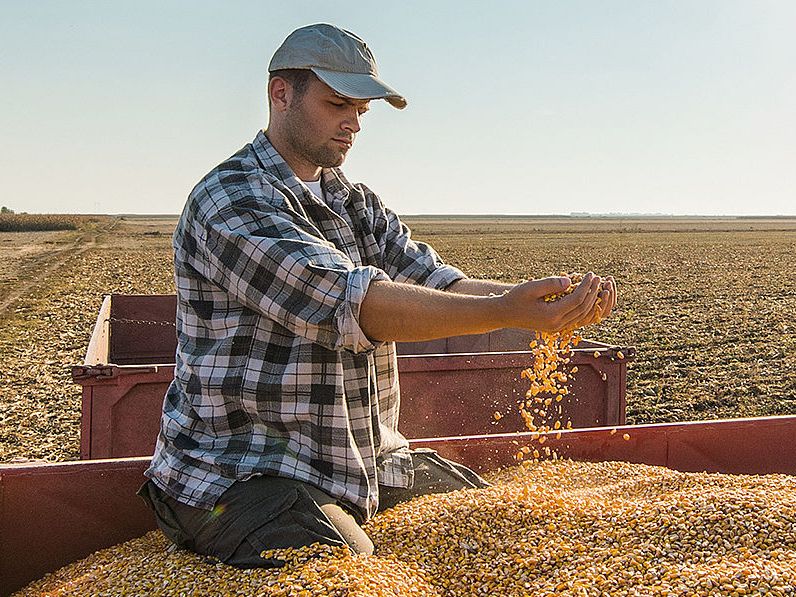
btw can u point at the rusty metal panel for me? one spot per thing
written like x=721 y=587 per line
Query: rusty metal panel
x=142 y=329
x=54 y=514
x=735 y=446
x=124 y=412
x=86 y=421
x=489 y=452
x=720 y=446
x=121 y=412
x=467 y=389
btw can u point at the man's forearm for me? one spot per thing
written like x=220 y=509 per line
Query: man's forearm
x=478 y=287
x=406 y=313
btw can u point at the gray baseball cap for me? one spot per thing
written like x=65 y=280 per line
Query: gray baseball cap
x=338 y=58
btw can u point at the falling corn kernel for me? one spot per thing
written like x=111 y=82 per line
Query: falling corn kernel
x=613 y=431
x=550 y=352
x=626 y=436
x=497 y=416
x=596 y=354
x=620 y=355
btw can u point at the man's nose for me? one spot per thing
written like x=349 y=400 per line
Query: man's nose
x=351 y=123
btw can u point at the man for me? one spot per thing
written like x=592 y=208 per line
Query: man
x=280 y=427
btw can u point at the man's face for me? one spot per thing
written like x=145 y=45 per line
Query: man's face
x=321 y=126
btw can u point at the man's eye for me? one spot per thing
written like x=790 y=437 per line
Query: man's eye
x=338 y=104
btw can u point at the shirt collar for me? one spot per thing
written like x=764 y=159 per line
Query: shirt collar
x=334 y=182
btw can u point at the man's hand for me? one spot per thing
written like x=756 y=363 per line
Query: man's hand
x=525 y=306
x=606 y=302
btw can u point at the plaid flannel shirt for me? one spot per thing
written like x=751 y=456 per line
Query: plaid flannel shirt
x=273 y=373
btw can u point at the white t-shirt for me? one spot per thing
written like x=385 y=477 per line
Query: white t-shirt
x=315 y=187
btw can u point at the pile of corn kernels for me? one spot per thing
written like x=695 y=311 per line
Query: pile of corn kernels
x=543 y=528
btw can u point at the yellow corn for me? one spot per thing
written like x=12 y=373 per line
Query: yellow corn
x=543 y=528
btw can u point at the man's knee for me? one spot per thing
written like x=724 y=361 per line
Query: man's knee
x=253 y=516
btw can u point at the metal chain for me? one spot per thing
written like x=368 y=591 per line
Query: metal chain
x=140 y=321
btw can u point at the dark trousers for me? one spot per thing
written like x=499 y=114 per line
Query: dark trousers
x=267 y=512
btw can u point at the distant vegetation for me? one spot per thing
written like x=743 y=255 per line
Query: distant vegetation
x=11 y=222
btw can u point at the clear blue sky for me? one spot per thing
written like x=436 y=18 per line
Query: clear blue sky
x=514 y=107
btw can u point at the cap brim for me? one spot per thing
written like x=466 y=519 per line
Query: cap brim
x=359 y=86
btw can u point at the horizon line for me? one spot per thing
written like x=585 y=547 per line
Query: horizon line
x=571 y=215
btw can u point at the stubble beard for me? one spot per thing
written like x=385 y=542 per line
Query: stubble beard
x=298 y=134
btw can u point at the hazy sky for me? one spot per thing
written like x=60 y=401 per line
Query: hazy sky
x=514 y=107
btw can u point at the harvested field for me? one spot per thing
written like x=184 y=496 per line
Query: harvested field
x=709 y=304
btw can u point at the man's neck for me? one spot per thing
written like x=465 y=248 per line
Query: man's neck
x=301 y=168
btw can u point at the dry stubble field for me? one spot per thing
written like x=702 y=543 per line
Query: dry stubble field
x=709 y=304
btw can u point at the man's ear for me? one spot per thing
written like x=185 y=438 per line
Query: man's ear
x=279 y=92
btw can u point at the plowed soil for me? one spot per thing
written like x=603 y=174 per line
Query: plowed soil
x=708 y=303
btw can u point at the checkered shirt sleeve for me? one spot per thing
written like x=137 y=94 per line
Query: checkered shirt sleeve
x=285 y=271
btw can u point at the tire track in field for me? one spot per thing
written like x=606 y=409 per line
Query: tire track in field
x=42 y=267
